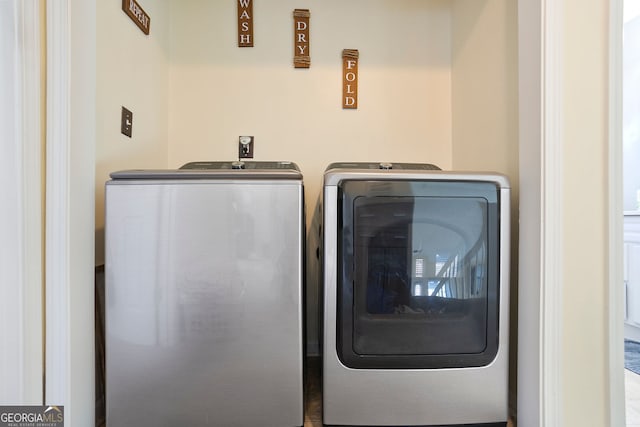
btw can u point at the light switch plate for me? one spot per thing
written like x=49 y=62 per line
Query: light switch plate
x=126 y=122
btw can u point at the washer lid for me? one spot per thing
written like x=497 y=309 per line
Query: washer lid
x=217 y=170
x=241 y=164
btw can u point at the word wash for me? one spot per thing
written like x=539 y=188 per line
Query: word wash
x=245 y=23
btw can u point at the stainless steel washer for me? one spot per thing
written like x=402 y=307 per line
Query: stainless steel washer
x=204 y=317
x=416 y=294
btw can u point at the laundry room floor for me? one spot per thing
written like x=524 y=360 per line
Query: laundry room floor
x=632 y=394
x=313 y=393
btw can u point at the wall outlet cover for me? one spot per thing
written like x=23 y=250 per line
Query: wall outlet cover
x=245 y=147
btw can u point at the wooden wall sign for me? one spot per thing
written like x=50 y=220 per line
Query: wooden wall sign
x=350 y=78
x=301 y=53
x=137 y=15
x=245 y=23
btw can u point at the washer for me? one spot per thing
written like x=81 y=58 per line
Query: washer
x=416 y=296
x=204 y=293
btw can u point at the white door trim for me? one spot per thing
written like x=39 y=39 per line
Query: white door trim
x=21 y=352
x=57 y=201
x=529 y=396
x=70 y=195
x=541 y=29
x=552 y=211
x=70 y=216
x=540 y=350
x=615 y=213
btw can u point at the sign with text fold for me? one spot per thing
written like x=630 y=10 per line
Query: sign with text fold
x=350 y=78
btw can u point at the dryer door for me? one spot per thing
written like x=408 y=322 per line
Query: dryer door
x=418 y=274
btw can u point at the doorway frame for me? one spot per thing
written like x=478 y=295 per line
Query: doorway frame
x=541 y=32
x=615 y=220
x=70 y=209
x=21 y=288
x=71 y=29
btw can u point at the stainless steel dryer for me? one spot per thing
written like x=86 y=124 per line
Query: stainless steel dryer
x=204 y=318
x=416 y=294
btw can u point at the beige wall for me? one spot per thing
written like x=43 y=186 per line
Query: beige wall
x=219 y=91
x=484 y=86
x=585 y=285
x=132 y=71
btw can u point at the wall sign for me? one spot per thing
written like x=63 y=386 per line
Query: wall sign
x=350 y=78
x=301 y=54
x=245 y=23
x=137 y=15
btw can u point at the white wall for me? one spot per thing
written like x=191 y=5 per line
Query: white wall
x=132 y=71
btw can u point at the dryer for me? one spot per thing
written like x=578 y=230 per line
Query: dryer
x=416 y=296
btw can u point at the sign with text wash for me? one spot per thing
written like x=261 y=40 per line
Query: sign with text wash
x=245 y=23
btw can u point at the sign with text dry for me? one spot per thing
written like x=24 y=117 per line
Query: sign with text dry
x=350 y=78
x=301 y=53
x=245 y=23
x=137 y=15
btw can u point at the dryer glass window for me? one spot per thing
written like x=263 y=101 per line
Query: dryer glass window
x=419 y=274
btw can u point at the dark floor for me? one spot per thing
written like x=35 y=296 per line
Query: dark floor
x=313 y=394
x=99 y=330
